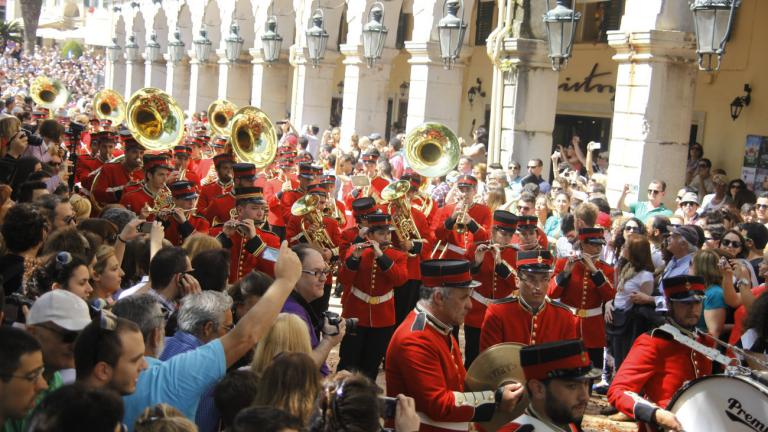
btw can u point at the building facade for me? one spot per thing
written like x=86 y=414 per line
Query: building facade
x=632 y=84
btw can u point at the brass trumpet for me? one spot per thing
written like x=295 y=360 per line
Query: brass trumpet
x=461 y=225
x=109 y=105
x=396 y=194
x=306 y=207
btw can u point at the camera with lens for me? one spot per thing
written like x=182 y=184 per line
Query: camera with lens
x=33 y=139
x=14 y=305
x=334 y=320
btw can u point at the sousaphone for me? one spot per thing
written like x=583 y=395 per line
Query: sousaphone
x=155 y=119
x=494 y=367
x=253 y=137
x=109 y=105
x=220 y=114
x=432 y=149
x=49 y=93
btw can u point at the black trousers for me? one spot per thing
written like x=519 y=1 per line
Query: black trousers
x=471 y=344
x=596 y=357
x=406 y=297
x=365 y=350
x=321 y=305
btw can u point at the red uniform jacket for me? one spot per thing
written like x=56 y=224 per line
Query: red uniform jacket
x=280 y=204
x=459 y=244
x=530 y=422
x=190 y=176
x=371 y=283
x=586 y=293
x=86 y=164
x=200 y=167
x=540 y=235
x=498 y=281
x=176 y=233
x=656 y=367
x=512 y=320
x=294 y=234
x=421 y=249
x=377 y=185
x=112 y=178
x=136 y=199
x=209 y=192
x=424 y=362
x=348 y=237
x=217 y=211
x=420 y=201
x=258 y=253
x=272 y=188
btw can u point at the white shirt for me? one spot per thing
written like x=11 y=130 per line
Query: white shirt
x=633 y=284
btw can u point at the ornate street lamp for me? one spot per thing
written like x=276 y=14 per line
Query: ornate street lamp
x=713 y=20
x=176 y=47
x=450 y=32
x=153 y=47
x=404 y=88
x=271 y=41
x=561 y=23
x=131 y=48
x=114 y=51
x=317 y=38
x=202 y=46
x=374 y=34
x=234 y=43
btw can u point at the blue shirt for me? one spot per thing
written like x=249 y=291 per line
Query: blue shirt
x=675 y=267
x=713 y=299
x=180 y=381
x=552 y=227
x=207 y=416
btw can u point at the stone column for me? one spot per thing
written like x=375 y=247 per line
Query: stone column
x=202 y=90
x=234 y=79
x=365 y=92
x=312 y=90
x=525 y=89
x=655 y=90
x=270 y=86
x=177 y=80
x=114 y=75
x=435 y=92
x=134 y=76
x=154 y=73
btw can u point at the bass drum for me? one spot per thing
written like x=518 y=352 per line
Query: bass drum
x=722 y=403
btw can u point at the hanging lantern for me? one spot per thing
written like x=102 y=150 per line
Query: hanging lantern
x=317 y=38
x=202 y=46
x=271 y=41
x=561 y=23
x=234 y=43
x=153 y=48
x=114 y=51
x=450 y=32
x=374 y=34
x=131 y=48
x=176 y=47
x=713 y=20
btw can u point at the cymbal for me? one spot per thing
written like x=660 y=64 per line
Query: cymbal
x=499 y=364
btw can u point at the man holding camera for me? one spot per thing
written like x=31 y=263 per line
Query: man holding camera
x=424 y=359
x=325 y=330
x=372 y=270
x=583 y=283
x=251 y=246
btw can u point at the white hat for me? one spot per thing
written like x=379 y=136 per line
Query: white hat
x=61 y=307
x=690 y=197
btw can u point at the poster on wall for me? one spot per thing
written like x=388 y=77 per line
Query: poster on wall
x=755 y=166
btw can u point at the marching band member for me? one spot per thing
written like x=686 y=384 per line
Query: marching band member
x=531 y=317
x=372 y=271
x=273 y=186
x=223 y=183
x=528 y=236
x=142 y=199
x=657 y=365
x=424 y=359
x=361 y=208
x=558 y=377
x=182 y=220
x=218 y=210
x=458 y=235
x=102 y=146
x=181 y=169
x=493 y=266
x=282 y=201
x=251 y=246
x=583 y=283
x=336 y=209
x=113 y=177
x=377 y=183
x=421 y=201
x=295 y=230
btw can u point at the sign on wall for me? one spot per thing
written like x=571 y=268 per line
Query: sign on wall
x=754 y=170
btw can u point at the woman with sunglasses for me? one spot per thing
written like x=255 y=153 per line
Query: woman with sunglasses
x=733 y=244
x=630 y=226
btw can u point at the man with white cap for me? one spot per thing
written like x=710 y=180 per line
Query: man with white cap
x=55 y=320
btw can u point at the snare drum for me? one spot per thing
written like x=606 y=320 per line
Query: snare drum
x=722 y=403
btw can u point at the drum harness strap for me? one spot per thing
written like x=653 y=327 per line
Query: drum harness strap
x=711 y=353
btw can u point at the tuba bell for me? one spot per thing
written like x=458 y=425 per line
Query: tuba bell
x=312 y=221
x=155 y=119
x=49 y=93
x=396 y=194
x=220 y=114
x=432 y=149
x=253 y=137
x=109 y=105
